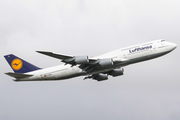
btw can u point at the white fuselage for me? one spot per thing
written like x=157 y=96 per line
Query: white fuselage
x=132 y=54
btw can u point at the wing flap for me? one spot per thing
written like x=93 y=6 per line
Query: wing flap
x=18 y=75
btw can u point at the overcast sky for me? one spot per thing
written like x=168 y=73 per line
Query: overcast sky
x=148 y=90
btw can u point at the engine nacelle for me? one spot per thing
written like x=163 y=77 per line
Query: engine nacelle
x=116 y=72
x=81 y=59
x=101 y=77
x=105 y=62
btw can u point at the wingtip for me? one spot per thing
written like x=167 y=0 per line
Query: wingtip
x=39 y=51
x=6 y=73
x=42 y=52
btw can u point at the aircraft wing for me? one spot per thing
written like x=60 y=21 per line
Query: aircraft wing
x=85 y=63
x=73 y=60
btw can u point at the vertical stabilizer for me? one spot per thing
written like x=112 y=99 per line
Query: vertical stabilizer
x=19 y=65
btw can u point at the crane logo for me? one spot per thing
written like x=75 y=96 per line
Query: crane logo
x=16 y=64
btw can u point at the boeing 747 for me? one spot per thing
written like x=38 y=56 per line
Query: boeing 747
x=97 y=68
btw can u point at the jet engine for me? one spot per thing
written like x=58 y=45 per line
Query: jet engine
x=81 y=60
x=77 y=60
x=105 y=62
x=116 y=72
x=100 y=77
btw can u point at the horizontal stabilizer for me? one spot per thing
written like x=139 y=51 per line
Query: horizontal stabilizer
x=18 y=75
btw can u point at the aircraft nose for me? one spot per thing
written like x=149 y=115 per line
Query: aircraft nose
x=174 y=45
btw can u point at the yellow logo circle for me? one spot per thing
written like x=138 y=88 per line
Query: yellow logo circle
x=16 y=64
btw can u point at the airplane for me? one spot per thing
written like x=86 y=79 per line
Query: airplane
x=96 y=68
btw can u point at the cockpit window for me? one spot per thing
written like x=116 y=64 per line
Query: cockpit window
x=162 y=40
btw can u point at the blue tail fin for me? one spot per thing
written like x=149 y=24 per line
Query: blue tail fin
x=19 y=65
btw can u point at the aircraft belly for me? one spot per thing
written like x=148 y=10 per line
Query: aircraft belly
x=104 y=69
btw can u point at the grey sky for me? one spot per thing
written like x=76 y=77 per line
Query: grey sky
x=148 y=90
